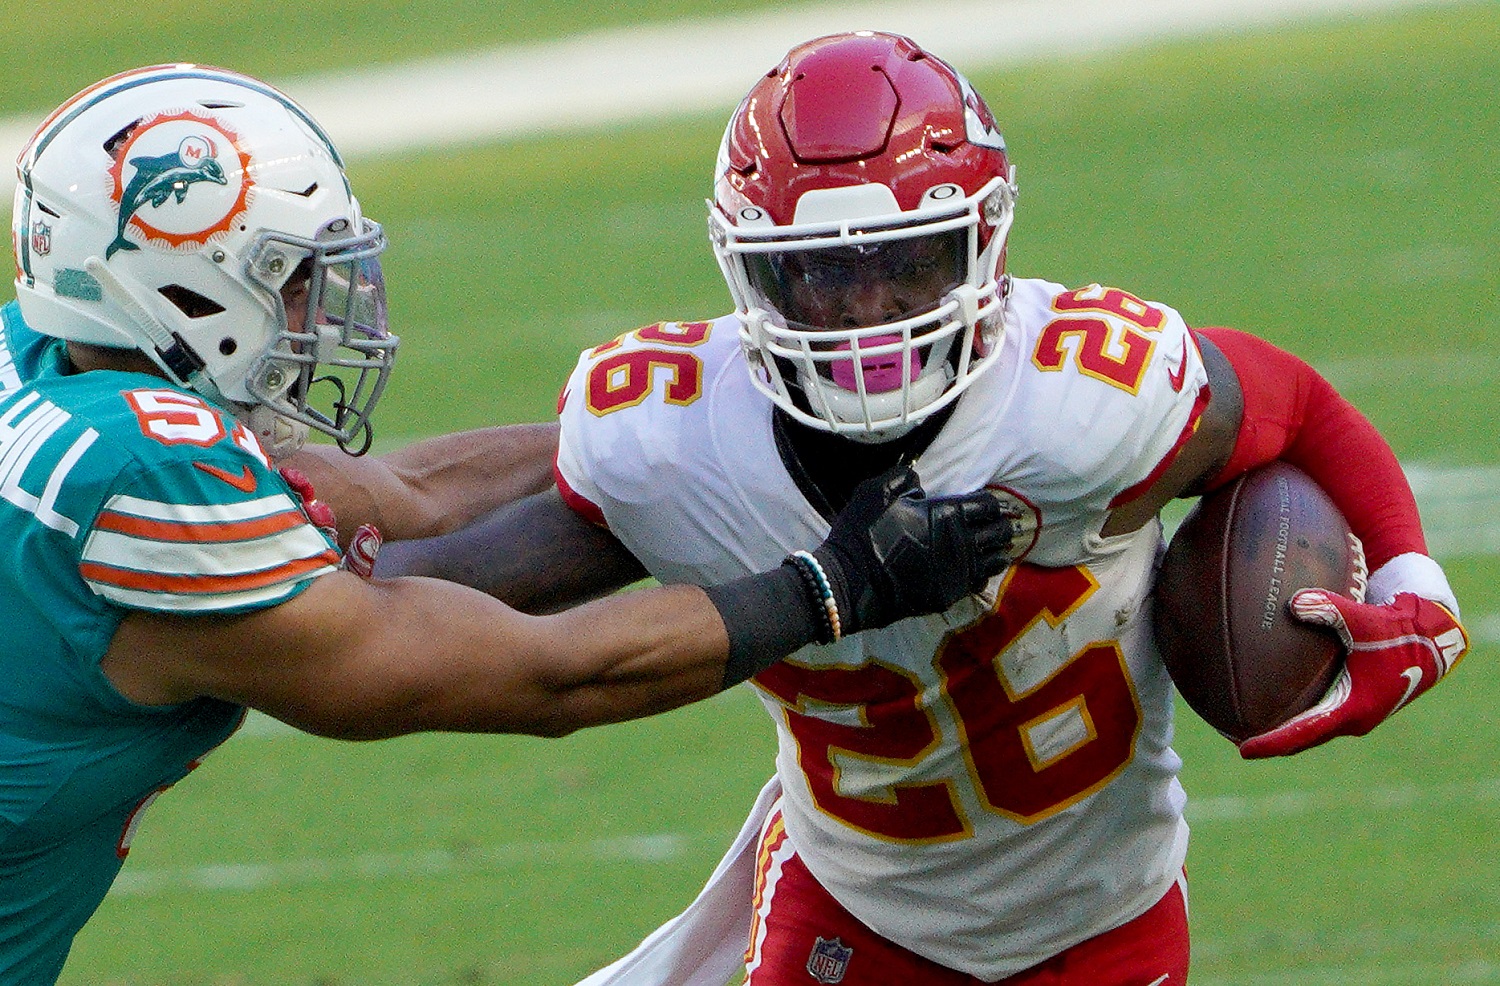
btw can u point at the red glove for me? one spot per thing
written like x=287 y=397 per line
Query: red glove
x=1394 y=653
x=363 y=546
x=320 y=513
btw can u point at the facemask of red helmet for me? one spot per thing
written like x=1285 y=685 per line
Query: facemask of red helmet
x=862 y=202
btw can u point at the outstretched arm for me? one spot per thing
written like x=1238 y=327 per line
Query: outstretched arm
x=432 y=486
x=354 y=659
x=537 y=554
x=362 y=660
x=479 y=508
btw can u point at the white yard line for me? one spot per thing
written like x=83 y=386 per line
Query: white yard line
x=248 y=877
x=1460 y=509
x=1376 y=973
x=648 y=72
x=1226 y=808
x=242 y=877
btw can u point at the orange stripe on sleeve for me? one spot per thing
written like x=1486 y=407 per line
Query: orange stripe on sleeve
x=204 y=585
x=210 y=533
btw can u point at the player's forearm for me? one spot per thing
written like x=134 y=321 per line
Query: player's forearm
x=631 y=655
x=435 y=485
x=656 y=649
x=534 y=554
x=441 y=657
x=351 y=659
x=464 y=475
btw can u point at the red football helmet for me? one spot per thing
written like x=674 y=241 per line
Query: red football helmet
x=862 y=200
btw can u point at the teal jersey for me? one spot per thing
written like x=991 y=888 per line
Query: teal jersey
x=118 y=492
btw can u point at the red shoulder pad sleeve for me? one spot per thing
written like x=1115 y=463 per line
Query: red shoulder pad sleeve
x=1293 y=414
x=580 y=504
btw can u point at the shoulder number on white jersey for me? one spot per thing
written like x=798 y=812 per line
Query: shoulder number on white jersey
x=1106 y=351
x=625 y=375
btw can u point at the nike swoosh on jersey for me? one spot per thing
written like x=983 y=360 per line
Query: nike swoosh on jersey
x=1158 y=982
x=1176 y=379
x=244 y=482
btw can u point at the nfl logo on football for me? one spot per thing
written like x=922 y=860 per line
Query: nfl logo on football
x=829 y=960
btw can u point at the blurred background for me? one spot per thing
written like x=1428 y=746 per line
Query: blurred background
x=1323 y=173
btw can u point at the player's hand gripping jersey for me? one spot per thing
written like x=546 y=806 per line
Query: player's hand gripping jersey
x=118 y=492
x=934 y=772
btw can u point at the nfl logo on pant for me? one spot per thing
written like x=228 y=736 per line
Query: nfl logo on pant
x=829 y=960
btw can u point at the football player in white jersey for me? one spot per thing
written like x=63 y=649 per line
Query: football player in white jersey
x=987 y=794
x=195 y=280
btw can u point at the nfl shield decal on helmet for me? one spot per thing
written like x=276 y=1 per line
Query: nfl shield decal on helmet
x=180 y=180
x=829 y=960
x=41 y=238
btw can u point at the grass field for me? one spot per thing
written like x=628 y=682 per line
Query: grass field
x=1332 y=187
x=82 y=41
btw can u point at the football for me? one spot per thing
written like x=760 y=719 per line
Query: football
x=1219 y=604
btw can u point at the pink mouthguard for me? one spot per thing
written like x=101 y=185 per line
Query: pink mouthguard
x=882 y=373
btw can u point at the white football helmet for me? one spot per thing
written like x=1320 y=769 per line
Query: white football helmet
x=862 y=200
x=167 y=208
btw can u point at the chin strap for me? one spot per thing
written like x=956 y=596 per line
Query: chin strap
x=166 y=348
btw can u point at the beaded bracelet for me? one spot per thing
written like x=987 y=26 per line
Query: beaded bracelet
x=816 y=580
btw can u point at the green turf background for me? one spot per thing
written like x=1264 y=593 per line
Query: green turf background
x=1333 y=187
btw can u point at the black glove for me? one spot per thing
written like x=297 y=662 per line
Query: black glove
x=894 y=552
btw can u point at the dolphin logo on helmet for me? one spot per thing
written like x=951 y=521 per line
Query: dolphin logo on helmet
x=164 y=176
x=183 y=198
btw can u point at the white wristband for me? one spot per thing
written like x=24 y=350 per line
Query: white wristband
x=1415 y=573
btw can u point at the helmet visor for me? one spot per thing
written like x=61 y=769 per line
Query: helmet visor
x=859 y=286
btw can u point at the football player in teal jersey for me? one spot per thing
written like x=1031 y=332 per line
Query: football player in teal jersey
x=196 y=290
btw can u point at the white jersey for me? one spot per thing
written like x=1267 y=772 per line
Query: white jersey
x=993 y=784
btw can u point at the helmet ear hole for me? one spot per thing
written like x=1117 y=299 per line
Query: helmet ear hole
x=189 y=302
x=227 y=346
x=113 y=143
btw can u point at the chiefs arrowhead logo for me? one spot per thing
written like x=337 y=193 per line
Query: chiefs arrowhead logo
x=979 y=122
